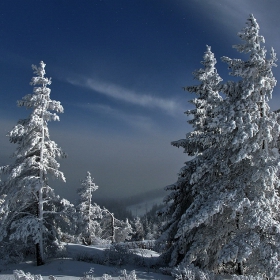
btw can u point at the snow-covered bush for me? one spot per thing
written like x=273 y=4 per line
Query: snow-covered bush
x=88 y=275
x=191 y=273
x=123 y=231
x=68 y=238
x=102 y=242
x=130 y=276
x=20 y=275
x=124 y=276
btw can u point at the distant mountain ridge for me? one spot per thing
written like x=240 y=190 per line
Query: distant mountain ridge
x=149 y=195
x=136 y=205
x=141 y=204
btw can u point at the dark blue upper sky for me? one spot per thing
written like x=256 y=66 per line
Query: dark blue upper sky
x=118 y=67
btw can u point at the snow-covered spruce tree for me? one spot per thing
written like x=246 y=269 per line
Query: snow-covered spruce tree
x=205 y=135
x=114 y=229
x=60 y=223
x=139 y=232
x=232 y=224
x=88 y=215
x=123 y=231
x=26 y=188
x=254 y=180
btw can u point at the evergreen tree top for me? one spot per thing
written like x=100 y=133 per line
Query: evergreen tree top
x=86 y=188
x=88 y=182
x=40 y=100
x=40 y=79
x=256 y=72
x=250 y=36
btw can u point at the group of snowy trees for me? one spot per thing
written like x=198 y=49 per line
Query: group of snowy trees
x=223 y=211
x=31 y=215
x=222 y=214
x=95 y=223
x=147 y=227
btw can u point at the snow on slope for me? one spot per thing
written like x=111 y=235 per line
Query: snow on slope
x=68 y=269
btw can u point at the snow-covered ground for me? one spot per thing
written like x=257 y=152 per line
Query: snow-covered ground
x=67 y=268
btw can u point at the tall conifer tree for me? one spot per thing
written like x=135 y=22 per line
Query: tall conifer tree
x=232 y=224
x=197 y=144
x=27 y=192
x=254 y=165
x=88 y=213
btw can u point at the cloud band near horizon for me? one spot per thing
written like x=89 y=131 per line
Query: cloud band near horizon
x=170 y=106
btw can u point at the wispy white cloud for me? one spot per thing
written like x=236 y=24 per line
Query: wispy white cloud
x=137 y=121
x=170 y=106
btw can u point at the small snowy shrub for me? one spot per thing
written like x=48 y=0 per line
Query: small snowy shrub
x=103 y=242
x=191 y=272
x=20 y=275
x=95 y=240
x=130 y=276
x=68 y=238
x=88 y=275
x=52 y=277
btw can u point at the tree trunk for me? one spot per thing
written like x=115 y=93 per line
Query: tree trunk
x=40 y=216
x=239 y=265
x=113 y=228
x=39 y=260
x=40 y=257
x=39 y=246
x=240 y=268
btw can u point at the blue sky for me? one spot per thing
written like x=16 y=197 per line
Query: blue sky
x=118 y=68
